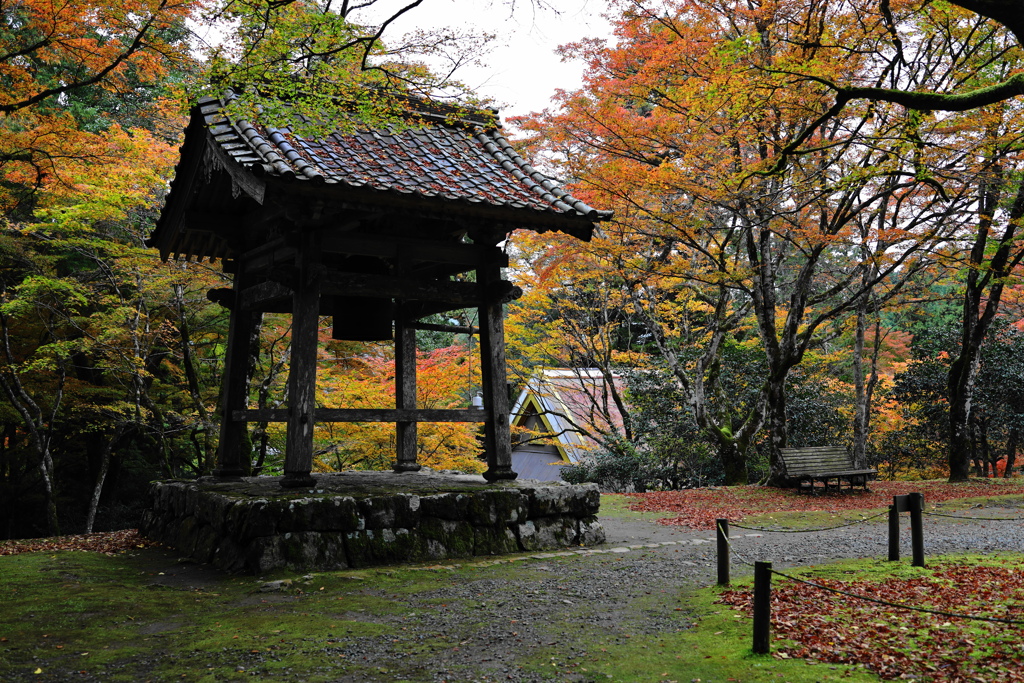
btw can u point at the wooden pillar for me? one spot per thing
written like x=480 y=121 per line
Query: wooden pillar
x=233 y=449
x=298 y=455
x=405 y=390
x=497 y=435
x=762 y=644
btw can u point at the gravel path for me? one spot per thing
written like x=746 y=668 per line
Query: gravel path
x=631 y=585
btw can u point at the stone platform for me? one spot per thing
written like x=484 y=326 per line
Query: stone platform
x=361 y=519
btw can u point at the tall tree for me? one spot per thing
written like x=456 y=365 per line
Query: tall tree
x=972 y=49
x=680 y=129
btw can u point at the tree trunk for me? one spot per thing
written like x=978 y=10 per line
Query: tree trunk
x=984 y=451
x=1012 y=439
x=37 y=423
x=734 y=463
x=864 y=389
x=777 y=427
x=101 y=477
x=962 y=377
x=982 y=294
x=204 y=455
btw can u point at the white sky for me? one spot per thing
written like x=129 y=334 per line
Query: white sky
x=522 y=71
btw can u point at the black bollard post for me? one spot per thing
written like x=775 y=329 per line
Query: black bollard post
x=894 y=534
x=723 y=551
x=762 y=607
x=917 y=528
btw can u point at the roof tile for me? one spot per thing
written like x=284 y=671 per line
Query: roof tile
x=458 y=160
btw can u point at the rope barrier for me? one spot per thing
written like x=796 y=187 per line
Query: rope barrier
x=955 y=615
x=801 y=531
x=732 y=549
x=983 y=519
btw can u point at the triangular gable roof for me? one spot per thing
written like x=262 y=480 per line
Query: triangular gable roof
x=452 y=163
x=567 y=400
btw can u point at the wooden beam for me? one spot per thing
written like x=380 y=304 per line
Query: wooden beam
x=458 y=294
x=233 y=449
x=497 y=435
x=298 y=451
x=454 y=329
x=366 y=415
x=459 y=253
x=405 y=393
x=266 y=296
x=265 y=263
x=266 y=256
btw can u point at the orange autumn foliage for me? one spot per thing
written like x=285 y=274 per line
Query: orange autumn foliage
x=362 y=375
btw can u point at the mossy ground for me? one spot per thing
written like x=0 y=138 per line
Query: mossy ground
x=813 y=519
x=143 y=615
x=87 y=616
x=617 y=505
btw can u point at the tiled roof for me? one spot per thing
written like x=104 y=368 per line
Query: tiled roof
x=570 y=399
x=462 y=159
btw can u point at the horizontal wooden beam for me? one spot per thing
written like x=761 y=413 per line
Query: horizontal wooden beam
x=276 y=297
x=458 y=294
x=366 y=415
x=454 y=329
x=263 y=262
x=460 y=253
x=265 y=296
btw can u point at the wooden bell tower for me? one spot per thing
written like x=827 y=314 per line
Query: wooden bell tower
x=378 y=229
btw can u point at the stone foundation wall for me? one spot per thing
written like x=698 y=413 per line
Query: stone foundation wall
x=254 y=526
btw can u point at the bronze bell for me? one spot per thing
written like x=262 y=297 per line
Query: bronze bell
x=363 y=318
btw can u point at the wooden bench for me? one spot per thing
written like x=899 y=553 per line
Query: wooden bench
x=805 y=466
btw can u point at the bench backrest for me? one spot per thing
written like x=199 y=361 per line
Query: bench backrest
x=814 y=460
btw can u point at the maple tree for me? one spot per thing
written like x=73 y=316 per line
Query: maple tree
x=318 y=64
x=573 y=315
x=444 y=379
x=49 y=54
x=677 y=128
x=361 y=375
x=976 y=77
x=996 y=417
x=89 y=322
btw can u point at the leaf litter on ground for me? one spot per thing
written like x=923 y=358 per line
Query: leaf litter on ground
x=699 y=508
x=817 y=624
x=107 y=542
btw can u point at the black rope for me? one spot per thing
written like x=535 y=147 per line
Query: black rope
x=732 y=550
x=902 y=606
x=801 y=531
x=983 y=519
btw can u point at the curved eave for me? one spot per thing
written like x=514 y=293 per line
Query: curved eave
x=435 y=204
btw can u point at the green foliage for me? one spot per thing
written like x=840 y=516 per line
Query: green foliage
x=624 y=469
x=922 y=389
x=665 y=427
x=818 y=409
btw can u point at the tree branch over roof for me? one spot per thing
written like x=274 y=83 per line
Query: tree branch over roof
x=1008 y=13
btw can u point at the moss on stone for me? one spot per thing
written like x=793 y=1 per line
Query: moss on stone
x=497 y=507
x=494 y=540
x=239 y=531
x=383 y=546
x=457 y=538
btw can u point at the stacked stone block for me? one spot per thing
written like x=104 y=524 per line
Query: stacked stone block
x=236 y=528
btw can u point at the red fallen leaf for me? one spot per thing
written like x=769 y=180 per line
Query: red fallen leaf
x=699 y=508
x=944 y=648
x=108 y=542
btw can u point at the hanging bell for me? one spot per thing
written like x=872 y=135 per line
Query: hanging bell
x=361 y=318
